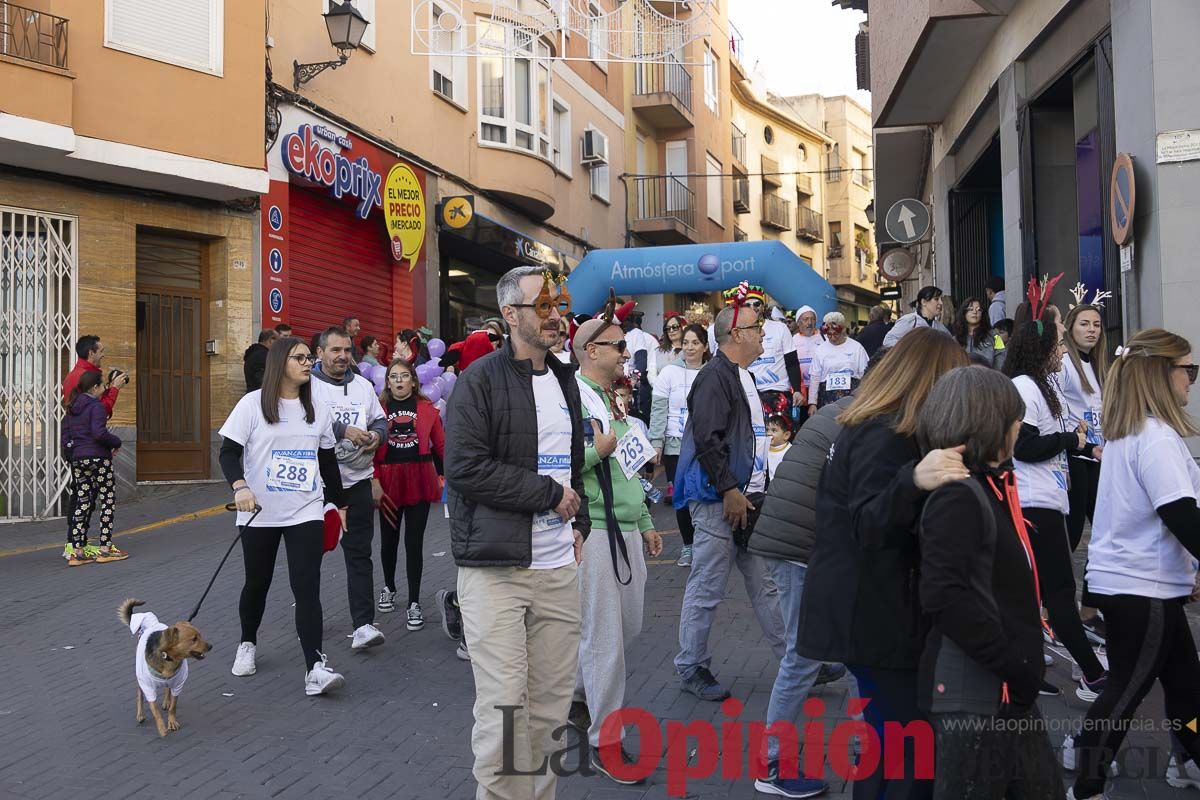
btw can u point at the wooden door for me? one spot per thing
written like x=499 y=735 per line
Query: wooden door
x=172 y=375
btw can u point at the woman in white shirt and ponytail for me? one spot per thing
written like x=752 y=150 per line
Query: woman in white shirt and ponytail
x=1144 y=551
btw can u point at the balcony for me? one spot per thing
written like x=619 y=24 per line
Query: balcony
x=741 y=195
x=663 y=210
x=810 y=224
x=862 y=177
x=739 y=235
x=520 y=178
x=776 y=212
x=33 y=36
x=662 y=94
x=739 y=146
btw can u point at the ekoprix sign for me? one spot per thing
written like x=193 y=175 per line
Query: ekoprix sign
x=699 y=268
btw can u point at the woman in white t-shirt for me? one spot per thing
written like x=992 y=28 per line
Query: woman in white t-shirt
x=276 y=451
x=1082 y=381
x=669 y=345
x=1143 y=554
x=837 y=366
x=668 y=418
x=1040 y=456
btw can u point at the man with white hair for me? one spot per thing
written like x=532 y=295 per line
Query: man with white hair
x=806 y=340
x=837 y=366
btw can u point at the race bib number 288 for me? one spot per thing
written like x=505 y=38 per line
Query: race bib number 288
x=292 y=471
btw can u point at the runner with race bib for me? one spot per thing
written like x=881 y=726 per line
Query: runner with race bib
x=837 y=366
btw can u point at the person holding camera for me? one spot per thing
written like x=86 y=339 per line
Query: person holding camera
x=90 y=351
x=90 y=446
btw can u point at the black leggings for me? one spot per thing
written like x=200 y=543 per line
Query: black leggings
x=1147 y=640
x=1085 y=480
x=1056 y=576
x=683 y=517
x=413 y=518
x=985 y=758
x=305 y=547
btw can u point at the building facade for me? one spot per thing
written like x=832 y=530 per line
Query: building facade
x=126 y=214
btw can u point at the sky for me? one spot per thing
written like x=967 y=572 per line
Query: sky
x=802 y=46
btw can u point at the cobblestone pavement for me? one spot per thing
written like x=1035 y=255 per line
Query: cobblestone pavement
x=401 y=728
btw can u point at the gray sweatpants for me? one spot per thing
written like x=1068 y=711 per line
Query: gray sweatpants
x=611 y=616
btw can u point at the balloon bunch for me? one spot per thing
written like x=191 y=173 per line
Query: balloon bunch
x=435 y=382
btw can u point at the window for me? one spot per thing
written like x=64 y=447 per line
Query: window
x=448 y=72
x=186 y=33
x=857 y=164
x=600 y=182
x=367 y=9
x=716 y=198
x=768 y=134
x=561 y=133
x=597 y=35
x=514 y=89
x=710 y=78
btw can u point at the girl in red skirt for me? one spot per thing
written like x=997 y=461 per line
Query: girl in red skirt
x=408 y=471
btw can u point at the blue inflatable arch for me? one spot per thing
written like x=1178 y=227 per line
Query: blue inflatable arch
x=699 y=268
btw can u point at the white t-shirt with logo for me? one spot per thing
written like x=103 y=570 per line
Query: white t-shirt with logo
x=806 y=348
x=1132 y=551
x=674 y=384
x=1041 y=484
x=769 y=369
x=1078 y=404
x=553 y=539
x=280 y=460
x=357 y=405
x=758 y=478
x=836 y=366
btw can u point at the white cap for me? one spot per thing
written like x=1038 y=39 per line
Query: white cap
x=804 y=309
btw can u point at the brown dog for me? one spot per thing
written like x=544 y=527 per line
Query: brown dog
x=160 y=661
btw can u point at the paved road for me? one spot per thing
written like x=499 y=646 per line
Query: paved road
x=401 y=727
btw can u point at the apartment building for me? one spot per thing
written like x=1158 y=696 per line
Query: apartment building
x=130 y=158
x=499 y=148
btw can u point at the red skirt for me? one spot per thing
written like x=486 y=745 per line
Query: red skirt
x=410 y=483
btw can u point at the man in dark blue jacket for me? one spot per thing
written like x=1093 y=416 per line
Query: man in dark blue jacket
x=722 y=459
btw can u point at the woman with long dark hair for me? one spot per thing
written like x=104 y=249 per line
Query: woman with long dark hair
x=668 y=418
x=859 y=605
x=90 y=446
x=670 y=344
x=973 y=332
x=1045 y=443
x=276 y=450
x=1143 y=552
x=407 y=471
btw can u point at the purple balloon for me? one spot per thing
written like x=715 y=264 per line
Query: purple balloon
x=367 y=371
x=436 y=347
x=433 y=391
x=379 y=382
x=449 y=377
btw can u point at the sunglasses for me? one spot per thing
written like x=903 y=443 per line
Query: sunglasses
x=620 y=344
x=1192 y=370
x=308 y=359
x=757 y=326
x=755 y=304
x=493 y=337
x=674 y=328
x=543 y=307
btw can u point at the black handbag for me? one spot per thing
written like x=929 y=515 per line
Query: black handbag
x=741 y=536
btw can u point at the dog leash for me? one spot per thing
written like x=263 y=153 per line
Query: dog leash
x=228 y=507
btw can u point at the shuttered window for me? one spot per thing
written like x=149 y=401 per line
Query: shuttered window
x=187 y=33
x=342 y=266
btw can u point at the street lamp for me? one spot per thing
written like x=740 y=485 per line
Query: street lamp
x=870 y=212
x=346 y=26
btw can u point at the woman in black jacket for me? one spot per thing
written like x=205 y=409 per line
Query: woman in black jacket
x=860 y=604
x=982 y=662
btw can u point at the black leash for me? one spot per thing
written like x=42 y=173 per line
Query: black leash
x=228 y=507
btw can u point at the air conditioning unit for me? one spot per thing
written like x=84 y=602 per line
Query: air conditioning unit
x=595 y=147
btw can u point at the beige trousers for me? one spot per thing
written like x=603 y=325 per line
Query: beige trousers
x=522 y=630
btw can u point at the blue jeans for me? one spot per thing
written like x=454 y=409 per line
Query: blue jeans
x=797 y=674
x=713 y=557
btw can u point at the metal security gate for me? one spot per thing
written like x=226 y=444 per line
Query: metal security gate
x=38 y=319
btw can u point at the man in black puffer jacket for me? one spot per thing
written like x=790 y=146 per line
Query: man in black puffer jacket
x=518 y=515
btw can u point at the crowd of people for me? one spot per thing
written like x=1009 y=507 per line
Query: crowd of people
x=903 y=507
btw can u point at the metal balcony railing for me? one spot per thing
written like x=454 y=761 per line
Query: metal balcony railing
x=737 y=46
x=809 y=224
x=741 y=195
x=739 y=145
x=776 y=212
x=739 y=235
x=670 y=77
x=32 y=35
x=863 y=177
x=664 y=197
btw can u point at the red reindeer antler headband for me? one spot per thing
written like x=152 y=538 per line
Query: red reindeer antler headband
x=1038 y=295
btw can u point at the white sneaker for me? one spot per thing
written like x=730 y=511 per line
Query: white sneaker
x=461 y=652
x=1185 y=777
x=321 y=679
x=1048 y=659
x=1071 y=795
x=366 y=636
x=416 y=620
x=243 y=662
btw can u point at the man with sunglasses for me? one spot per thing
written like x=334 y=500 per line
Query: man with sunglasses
x=518 y=518
x=722 y=460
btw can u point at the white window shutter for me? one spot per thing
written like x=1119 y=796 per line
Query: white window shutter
x=188 y=33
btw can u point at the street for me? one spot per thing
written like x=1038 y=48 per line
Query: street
x=400 y=728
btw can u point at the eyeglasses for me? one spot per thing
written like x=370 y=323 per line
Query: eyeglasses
x=1193 y=370
x=308 y=359
x=672 y=328
x=399 y=376
x=543 y=308
x=757 y=326
x=620 y=344
x=756 y=304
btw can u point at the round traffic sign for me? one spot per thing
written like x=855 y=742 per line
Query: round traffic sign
x=897 y=264
x=275 y=218
x=907 y=221
x=1122 y=197
x=275 y=259
x=276 y=297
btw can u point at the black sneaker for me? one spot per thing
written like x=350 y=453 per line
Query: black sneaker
x=705 y=686
x=830 y=673
x=1049 y=690
x=579 y=717
x=598 y=765
x=1095 y=629
x=451 y=615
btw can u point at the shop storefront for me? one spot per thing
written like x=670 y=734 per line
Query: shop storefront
x=475 y=253
x=343 y=232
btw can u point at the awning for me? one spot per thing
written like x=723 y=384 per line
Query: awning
x=699 y=268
